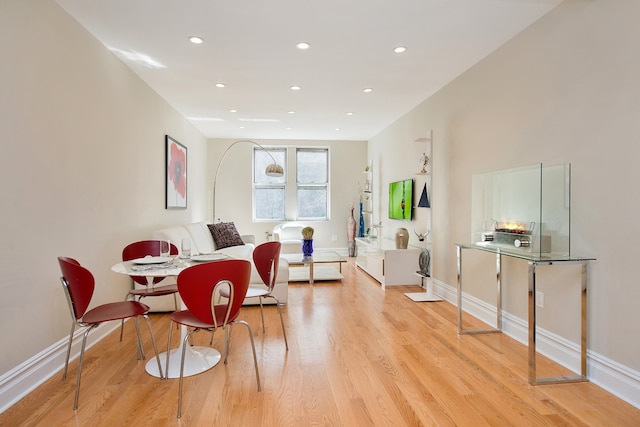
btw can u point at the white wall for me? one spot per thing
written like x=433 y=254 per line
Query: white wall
x=81 y=166
x=564 y=90
x=234 y=187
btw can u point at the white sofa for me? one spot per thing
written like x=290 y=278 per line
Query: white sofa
x=289 y=234
x=202 y=243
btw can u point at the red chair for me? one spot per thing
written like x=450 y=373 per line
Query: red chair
x=266 y=258
x=198 y=286
x=79 y=284
x=140 y=250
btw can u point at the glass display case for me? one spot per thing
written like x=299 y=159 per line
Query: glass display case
x=523 y=211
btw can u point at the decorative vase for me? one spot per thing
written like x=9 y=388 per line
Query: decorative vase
x=351 y=234
x=307 y=247
x=361 y=230
x=402 y=238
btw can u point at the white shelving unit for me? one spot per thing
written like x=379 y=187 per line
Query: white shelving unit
x=423 y=177
x=366 y=198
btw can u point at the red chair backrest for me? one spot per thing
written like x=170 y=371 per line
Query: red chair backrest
x=79 y=284
x=266 y=258
x=196 y=285
x=140 y=250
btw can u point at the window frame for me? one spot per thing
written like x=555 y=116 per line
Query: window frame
x=269 y=183
x=289 y=184
x=313 y=185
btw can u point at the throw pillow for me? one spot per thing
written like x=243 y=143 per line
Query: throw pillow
x=225 y=234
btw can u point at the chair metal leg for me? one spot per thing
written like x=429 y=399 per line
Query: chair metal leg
x=141 y=355
x=253 y=348
x=261 y=314
x=122 y=321
x=155 y=347
x=284 y=333
x=169 y=346
x=184 y=347
x=227 y=341
x=84 y=343
x=66 y=361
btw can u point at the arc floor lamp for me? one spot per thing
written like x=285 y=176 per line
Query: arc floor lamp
x=273 y=169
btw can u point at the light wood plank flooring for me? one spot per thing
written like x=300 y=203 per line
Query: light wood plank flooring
x=359 y=356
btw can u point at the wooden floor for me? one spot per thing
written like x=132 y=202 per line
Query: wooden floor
x=358 y=356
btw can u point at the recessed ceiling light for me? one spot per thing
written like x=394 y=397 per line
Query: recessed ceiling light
x=291 y=112
x=338 y=129
x=350 y=113
x=240 y=127
x=196 y=40
x=233 y=110
x=220 y=85
x=295 y=87
x=400 y=49
x=303 y=45
x=289 y=128
x=367 y=90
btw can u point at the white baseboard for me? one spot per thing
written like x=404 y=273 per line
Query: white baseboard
x=612 y=376
x=26 y=377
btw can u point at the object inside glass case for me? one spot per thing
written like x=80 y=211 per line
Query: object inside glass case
x=523 y=210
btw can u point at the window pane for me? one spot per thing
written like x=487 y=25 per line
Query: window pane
x=312 y=202
x=269 y=203
x=311 y=166
x=262 y=159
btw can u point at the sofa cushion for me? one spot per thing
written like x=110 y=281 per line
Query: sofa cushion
x=201 y=237
x=238 y=252
x=225 y=234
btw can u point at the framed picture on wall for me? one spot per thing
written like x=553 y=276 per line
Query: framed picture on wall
x=176 y=174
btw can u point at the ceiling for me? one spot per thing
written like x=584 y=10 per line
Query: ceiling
x=250 y=47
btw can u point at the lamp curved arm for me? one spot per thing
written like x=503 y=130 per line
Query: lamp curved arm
x=278 y=169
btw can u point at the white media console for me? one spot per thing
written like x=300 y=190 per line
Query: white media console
x=388 y=265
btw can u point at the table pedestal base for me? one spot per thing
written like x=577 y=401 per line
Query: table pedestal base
x=197 y=359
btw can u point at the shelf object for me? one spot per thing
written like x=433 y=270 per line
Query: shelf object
x=424 y=158
x=424 y=198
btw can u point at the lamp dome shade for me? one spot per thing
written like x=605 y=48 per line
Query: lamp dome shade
x=274 y=170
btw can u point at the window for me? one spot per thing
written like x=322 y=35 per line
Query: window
x=268 y=192
x=274 y=200
x=312 y=182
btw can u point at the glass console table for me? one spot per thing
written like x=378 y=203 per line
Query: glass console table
x=533 y=259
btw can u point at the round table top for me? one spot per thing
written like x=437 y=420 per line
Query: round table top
x=150 y=270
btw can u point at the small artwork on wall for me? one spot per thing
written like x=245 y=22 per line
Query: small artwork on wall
x=176 y=174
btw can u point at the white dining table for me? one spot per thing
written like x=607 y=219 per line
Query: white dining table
x=197 y=359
